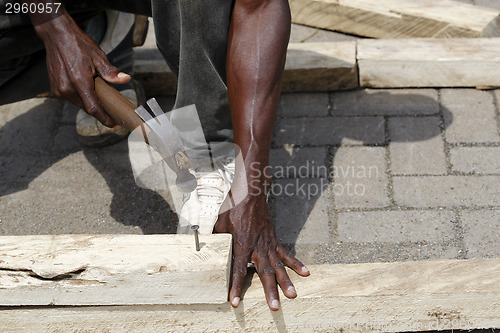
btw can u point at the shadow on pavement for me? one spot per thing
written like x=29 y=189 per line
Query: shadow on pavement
x=307 y=148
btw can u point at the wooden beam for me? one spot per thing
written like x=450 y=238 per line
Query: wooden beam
x=309 y=67
x=401 y=297
x=113 y=269
x=320 y=67
x=429 y=62
x=398 y=18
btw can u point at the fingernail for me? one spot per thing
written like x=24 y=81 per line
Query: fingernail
x=275 y=304
x=291 y=289
x=122 y=75
x=305 y=270
x=236 y=301
x=117 y=127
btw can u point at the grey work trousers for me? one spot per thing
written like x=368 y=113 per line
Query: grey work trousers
x=190 y=34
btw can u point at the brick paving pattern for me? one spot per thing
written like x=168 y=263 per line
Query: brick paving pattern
x=360 y=176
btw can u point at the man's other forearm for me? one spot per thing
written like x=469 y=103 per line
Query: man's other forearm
x=258 y=41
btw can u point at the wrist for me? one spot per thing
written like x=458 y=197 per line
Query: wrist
x=49 y=25
x=253 y=177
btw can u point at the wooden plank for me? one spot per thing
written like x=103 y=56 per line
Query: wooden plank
x=429 y=62
x=320 y=67
x=113 y=269
x=398 y=18
x=309 y=67
x=401 y=297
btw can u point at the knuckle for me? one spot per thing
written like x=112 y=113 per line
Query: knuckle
x=266 y=270
x=279 y=264
x=93 y=111
x=65 y=90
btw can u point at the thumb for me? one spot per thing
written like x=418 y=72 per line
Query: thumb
x=110 y=73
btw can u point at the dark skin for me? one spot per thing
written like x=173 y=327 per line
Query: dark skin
x=257 y=45
x=73 y=60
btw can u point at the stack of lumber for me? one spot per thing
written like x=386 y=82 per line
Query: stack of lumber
x=379 y=63
x=398 y=18
x=161 y=284
x=451 y=55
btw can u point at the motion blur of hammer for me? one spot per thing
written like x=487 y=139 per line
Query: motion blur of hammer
x=157 y=130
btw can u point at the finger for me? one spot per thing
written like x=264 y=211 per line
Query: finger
x=268 y=279
x=239 y=274
x=282 y=276
x=109 y=72
x=92 y=105
x=292 y=262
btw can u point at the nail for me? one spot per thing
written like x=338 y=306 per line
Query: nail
x=305 y=270
x=291 y=289
x=275 y=304
x=236 y=301
x=122 y=75
x=196 y=237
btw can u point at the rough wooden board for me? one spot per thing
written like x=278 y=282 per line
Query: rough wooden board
x=113 y=269
x=309 y=67
x=320 y=67
x=398 y=18
x=400 y=297
x=429 y=62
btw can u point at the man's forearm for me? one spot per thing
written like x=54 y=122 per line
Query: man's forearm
x=258 y=41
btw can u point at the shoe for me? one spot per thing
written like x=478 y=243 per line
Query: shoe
x=94 y=134
x=201 y=207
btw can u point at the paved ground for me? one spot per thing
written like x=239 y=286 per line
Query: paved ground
x=361 y=176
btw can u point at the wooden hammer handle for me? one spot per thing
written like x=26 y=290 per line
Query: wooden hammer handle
x=117 y=106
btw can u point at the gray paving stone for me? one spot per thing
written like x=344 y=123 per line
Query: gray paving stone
x=30 y=127
x=470 y=2
x=416 y=146
x=471 y=116
x=360 y=177
x=299 y=162
x=385 y=102
x=69 y=112
x=4 y=112
x=66 y=140
x=481 y=233
x=396 y=226
x=72 y=202
x=446 y=191
x=303 y=105
x=301 y=210
x=19 y=170
x=351 y=253
x=487 y=3
x=478 y=160
x=330 y=131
